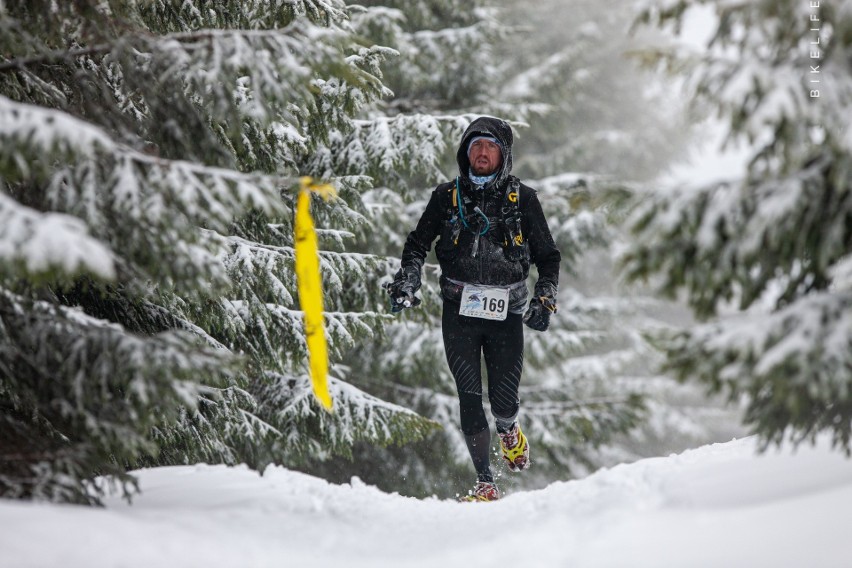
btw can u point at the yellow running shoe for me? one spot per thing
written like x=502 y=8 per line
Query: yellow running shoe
x=516 y=450
x=484 y=491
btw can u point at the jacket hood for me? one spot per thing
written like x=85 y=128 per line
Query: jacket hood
x=487 y=126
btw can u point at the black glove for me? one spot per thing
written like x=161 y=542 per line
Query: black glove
x=405 y=283
x=537 y=316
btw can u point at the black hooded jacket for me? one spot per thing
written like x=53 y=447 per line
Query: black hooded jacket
x=497 y=251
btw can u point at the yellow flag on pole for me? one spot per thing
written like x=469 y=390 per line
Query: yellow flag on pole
x=310 y=286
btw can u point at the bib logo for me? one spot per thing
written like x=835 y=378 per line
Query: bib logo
x=474 y=302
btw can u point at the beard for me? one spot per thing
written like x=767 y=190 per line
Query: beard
x=484 y=169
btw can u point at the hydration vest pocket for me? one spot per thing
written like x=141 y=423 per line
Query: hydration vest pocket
x=515 y=246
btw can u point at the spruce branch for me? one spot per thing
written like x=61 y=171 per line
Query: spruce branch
x=189 y=41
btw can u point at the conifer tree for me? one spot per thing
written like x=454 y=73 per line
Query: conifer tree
x=580 y=390
x=148 y=158
x=763 y=257
x=430 y=108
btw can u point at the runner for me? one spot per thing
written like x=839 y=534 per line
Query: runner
x=490 y=228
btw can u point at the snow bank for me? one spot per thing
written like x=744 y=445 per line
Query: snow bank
x=719 y=505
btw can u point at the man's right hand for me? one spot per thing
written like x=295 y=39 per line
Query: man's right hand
x=402 y=289
x=402 y=301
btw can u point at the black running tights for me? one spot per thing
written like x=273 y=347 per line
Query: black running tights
x=466 y=340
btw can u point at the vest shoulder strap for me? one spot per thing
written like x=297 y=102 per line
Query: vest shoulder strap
x=513 y=195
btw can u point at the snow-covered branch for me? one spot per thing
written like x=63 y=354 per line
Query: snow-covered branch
x=49 y=244
x=357 y=416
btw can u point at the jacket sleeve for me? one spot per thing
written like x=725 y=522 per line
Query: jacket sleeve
x=543 y=251
x=419 y=241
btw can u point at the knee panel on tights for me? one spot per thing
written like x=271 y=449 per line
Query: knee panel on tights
x=504 y=403
x=473 y=420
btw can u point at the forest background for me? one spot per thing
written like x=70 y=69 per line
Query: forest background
x=151 y=152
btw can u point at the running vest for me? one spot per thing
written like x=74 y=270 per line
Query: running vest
x=464 y=215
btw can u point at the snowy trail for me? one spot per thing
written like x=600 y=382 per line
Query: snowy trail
x=720 y=505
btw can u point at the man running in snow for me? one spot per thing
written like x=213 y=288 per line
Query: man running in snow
x=490 y=228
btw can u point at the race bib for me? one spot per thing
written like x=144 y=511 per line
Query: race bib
x=486 y=302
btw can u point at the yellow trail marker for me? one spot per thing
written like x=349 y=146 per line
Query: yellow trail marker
x=310 y=286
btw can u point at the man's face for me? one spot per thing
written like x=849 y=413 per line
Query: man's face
x=485 y=157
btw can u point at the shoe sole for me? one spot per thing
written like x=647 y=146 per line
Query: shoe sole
x=515 y=466
x=472 y=499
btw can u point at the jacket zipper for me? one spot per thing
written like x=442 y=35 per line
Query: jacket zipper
x=476 y=243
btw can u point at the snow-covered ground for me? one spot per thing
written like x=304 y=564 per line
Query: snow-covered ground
x=716 y=506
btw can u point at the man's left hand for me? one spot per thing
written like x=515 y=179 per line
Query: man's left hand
x=537 y=316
